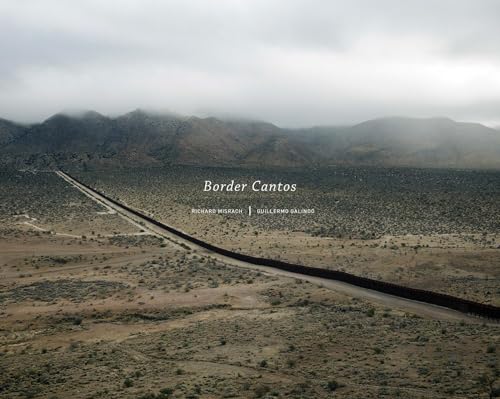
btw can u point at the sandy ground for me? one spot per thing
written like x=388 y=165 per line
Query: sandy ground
x=416 y=307
x=140 y=316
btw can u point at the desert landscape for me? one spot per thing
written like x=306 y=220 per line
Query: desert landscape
x=252 y=199
x=93 y=305
x=434 y=229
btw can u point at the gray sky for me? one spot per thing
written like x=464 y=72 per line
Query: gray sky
x=294 y=63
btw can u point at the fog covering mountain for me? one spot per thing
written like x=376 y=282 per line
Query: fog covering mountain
x=145 y=138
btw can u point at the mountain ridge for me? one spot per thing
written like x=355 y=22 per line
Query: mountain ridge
x=153 y=138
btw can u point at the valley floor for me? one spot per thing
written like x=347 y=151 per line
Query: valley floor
x=105 y=310
x=381 y=228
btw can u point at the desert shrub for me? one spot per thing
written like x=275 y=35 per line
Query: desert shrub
x=261 y=390
x=163 y=394
x=167 y=391
x=332 y=385
x=128 y=383
x=73 y=345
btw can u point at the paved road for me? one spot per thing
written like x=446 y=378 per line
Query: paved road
x=407 y=305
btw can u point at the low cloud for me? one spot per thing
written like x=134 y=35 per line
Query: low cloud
x=294 y=63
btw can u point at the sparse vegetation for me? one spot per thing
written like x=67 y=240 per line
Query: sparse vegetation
x=110 y=316
x=398 y=224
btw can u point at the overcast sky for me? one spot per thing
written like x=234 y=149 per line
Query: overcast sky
x=294 y=63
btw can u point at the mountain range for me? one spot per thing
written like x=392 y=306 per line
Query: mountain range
x=147 y=138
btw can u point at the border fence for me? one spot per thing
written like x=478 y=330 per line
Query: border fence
x=431 y=297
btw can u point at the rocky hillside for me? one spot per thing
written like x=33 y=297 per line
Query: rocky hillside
x=9 y=131
x=433 y=142
x=142 y=138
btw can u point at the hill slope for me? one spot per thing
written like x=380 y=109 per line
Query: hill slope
x=9 y=131
x=148 y=138
x=436 y=142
